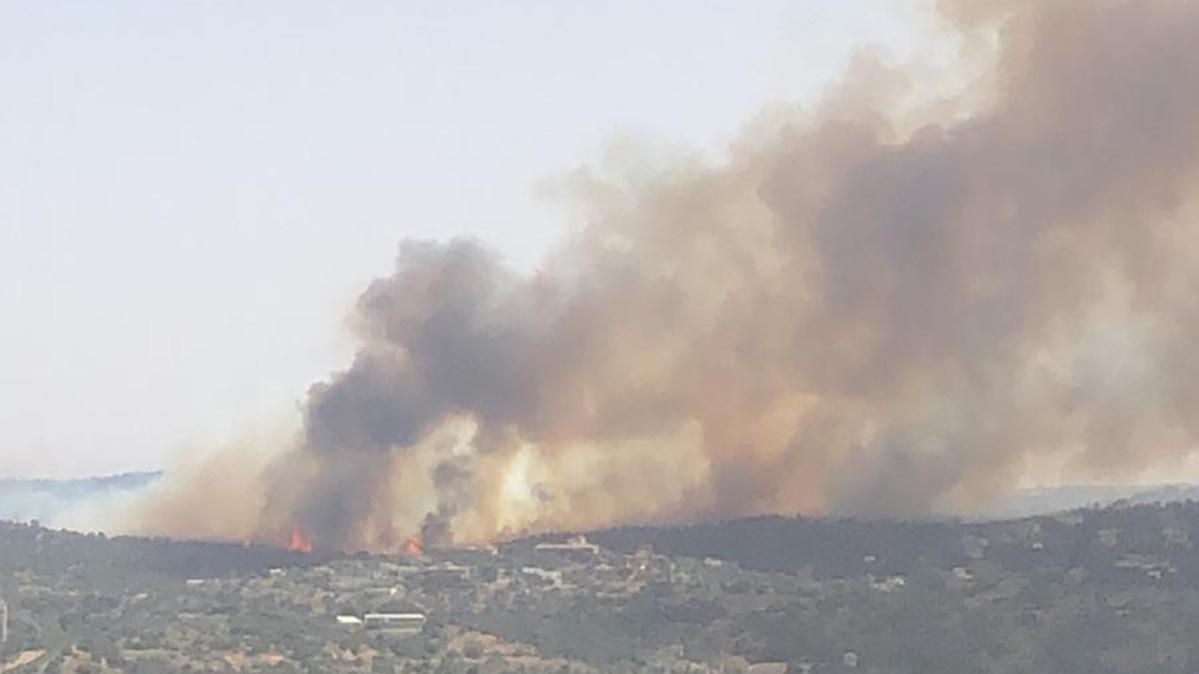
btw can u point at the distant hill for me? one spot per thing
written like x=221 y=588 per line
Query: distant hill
x=1029 y=528
x=49 y=501
x=1110 y=542
x=1044 y=501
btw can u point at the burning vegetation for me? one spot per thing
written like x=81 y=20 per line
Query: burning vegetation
x=298 y=542
x=413 y=547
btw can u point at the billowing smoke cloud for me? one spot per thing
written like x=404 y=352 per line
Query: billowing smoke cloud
x=852 y=314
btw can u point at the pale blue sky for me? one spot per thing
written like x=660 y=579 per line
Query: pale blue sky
x=192 y=193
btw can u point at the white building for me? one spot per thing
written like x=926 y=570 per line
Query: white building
x=399 y=623
x=576 y=549
x=542 y=576
x=770 y=668
x=888 y=584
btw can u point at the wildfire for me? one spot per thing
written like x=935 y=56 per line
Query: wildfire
x=298 y=542
x=413 y=546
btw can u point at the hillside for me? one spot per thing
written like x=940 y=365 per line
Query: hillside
x=1093 y=539
x=1095 y=591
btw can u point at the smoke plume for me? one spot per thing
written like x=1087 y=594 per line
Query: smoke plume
x=854 y=313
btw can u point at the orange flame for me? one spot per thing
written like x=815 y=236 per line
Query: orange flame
x=413 y=546
x=299 y=542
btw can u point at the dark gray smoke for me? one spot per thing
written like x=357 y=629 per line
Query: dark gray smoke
x=855 y=313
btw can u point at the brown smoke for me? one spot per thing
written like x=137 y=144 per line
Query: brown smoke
x=852 y=314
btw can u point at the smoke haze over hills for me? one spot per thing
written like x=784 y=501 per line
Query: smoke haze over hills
x=69 y=502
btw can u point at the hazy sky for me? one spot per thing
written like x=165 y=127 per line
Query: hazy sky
x=192 y=193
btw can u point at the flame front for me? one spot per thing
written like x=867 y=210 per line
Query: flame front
x=298 y=542
x=413 y=546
